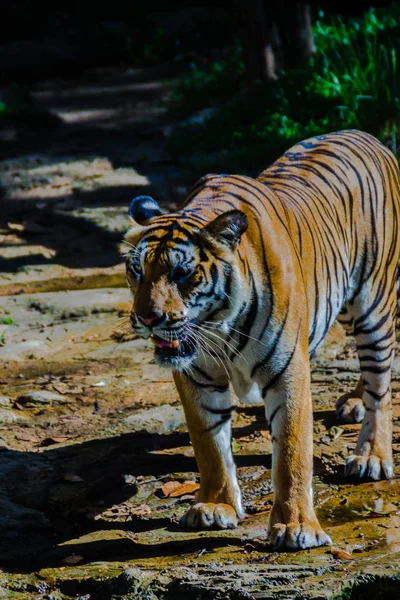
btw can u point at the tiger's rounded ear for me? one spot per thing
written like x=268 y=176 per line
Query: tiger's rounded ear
x=143 y=208
x=227 y=228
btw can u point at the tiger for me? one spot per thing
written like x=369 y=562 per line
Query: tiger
x=238 y=288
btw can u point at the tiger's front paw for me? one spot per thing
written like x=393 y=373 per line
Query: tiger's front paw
x=205 y=515
x=350 y=409
x=297 y=536
x=371 y=467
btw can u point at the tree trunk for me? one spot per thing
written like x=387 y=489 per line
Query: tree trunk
x=275 y=35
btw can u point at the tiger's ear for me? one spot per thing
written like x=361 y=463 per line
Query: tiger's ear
x=227 y=228
x=143 y=208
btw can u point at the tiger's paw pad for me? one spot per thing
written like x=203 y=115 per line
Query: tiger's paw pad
x=205 y=515
x=350 y=409
x=297 y=536
x=369 y=467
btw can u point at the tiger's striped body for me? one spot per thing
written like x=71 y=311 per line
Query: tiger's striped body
x=273 y=261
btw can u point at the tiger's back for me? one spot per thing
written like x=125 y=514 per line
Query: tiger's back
x=341 y=197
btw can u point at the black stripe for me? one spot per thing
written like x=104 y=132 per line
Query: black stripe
x=279 y=374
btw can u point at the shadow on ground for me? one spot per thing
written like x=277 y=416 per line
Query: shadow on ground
x=36 y=481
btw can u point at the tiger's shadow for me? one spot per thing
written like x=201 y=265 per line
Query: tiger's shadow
x=43 y=508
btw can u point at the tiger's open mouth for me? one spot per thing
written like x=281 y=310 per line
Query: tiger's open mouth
x=168 y=350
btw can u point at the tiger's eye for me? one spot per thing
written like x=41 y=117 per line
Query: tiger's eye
x=181 y=273
x=136 y=269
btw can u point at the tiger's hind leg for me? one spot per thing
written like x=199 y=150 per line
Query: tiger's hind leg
x=350 y=407
x=374 y=331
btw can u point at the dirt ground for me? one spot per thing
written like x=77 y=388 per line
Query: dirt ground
x=92 y=435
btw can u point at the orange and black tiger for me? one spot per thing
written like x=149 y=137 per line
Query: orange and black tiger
x=243 y=283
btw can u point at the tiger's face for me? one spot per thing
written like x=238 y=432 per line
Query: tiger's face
x=183 y=278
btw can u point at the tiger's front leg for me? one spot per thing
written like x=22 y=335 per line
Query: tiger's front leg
x=293 y=523
x=208 y=415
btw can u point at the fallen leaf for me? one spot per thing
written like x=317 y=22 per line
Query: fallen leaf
x=73 y=477
x=72 y=560
x=169 y=487
x=341 y=554
x=175 y=489
x=188 y=487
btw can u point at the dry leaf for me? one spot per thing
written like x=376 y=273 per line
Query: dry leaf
x=73 y=478
x=175 y=489
x=74 y=559
x=341 y=554
x=188 y=487
x=169 y=487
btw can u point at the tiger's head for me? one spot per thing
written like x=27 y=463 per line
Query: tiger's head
x=183 y=271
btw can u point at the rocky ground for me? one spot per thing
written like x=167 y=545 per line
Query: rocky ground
x=95 y=463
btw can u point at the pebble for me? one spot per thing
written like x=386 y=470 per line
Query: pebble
x=8 y=416
x=161 y=419
x=41 y=397
x=6 y=402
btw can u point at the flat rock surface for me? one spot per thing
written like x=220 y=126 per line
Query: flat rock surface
x=91 y=429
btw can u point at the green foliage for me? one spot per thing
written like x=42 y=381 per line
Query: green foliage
x=201 y=87
x=6 y=321
x=351 y=82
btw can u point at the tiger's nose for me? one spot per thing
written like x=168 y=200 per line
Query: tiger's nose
x=151 y=319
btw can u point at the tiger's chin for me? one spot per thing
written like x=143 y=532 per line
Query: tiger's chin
x=173 y=354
